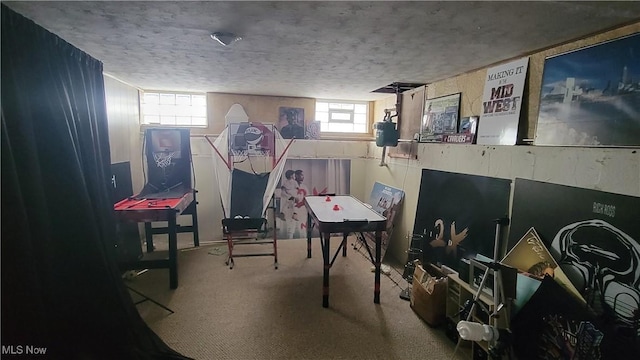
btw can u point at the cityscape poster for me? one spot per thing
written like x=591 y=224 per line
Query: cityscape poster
x=591 y=97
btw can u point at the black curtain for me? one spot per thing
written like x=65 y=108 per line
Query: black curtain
x=61 y=288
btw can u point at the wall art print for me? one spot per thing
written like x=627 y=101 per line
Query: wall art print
x=456 y=212
x=501 y=103
x=466 y=131
x=594 y=236
x=251 y=138
x=302 y=177
x=534 y=261
x=439 y=117
x=591 y=96
x=386 y=201
x=313 y=130
x=291 y=122
x=556 y=325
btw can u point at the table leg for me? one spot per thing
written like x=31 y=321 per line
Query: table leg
x=344 y=243
x=376 y=287
x=173 y=252
x=194 y=221
x=325 y=276
x=148 y=234
x=309 y=235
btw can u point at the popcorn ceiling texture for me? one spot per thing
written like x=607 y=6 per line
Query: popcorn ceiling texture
x=315 y=49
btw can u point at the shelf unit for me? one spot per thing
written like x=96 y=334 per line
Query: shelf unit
x=459 y=292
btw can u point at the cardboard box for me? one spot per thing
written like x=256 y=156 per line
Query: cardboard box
x=429 y=294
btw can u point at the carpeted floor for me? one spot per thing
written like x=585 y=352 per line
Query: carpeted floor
x=254 y=311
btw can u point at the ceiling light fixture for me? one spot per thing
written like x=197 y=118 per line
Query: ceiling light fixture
x=225 y=38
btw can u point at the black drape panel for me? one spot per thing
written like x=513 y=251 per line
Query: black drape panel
x=61 y=288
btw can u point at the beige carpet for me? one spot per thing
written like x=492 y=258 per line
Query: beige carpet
x=254 y=311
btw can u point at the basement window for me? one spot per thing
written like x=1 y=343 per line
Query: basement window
x=339 y=116
x=174 y=109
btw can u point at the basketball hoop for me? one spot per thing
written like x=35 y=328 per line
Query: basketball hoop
x=163 y=159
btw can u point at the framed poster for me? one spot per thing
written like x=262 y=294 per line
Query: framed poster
x=291 y=123
x=466 y=131
x=439 y=117
x=591 y=97
x=501 y=103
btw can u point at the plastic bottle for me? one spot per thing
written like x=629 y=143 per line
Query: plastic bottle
x=476 y=331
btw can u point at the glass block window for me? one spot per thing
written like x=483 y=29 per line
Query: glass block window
x=174 y=109
x=339 y=116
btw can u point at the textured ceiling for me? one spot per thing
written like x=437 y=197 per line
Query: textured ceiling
x=319 y=49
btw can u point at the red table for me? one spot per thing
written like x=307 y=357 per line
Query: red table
x=145 y=210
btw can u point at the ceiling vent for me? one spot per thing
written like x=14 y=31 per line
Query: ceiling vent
x=397 y=87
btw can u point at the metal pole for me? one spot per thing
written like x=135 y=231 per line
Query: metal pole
x=384 y=151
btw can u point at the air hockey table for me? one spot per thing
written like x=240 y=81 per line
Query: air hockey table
x=343 y=214
x=153 y=209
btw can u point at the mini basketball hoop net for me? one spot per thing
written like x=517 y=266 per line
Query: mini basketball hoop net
x=239 y=153
x=163 y=158
x=248 y=152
